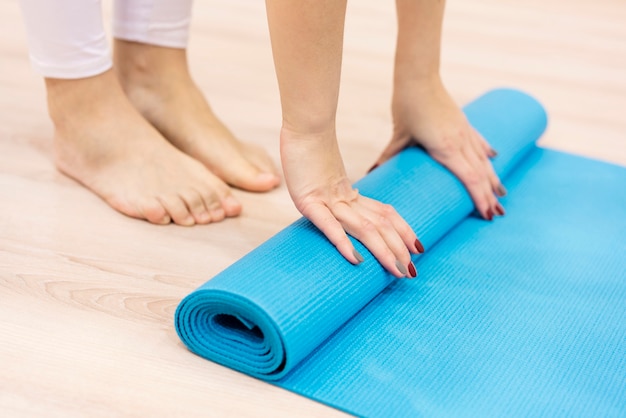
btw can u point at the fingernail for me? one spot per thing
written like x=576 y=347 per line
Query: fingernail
x=374 y=167
x=412 y=271
x=401 y=268
x=358 y=256
x=489 y=215
x=501 y=190
x=499 y=209
x=493 y=153
x=419 y=246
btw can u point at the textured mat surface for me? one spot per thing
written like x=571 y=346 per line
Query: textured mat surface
x=525 y=315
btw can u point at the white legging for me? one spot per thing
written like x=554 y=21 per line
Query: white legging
x=67 y=39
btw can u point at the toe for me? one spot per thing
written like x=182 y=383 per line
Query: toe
x=241 y=173
x=153 y=211
x=231 y=206
x=218 y=214
x=261 y=160
x=177 y=209
x=195 y=203
x=217 y=198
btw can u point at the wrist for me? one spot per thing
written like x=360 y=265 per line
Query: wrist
x=415 y=79
x=418 y=88
x=309 y=127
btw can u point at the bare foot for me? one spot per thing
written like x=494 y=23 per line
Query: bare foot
x=158 y=83
x=103 y=142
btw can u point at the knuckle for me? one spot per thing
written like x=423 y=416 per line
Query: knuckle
x=383 y=221
x=448 y=146
x=472 y=178
x=367 y=225
x=461 y=132
x=387 y=211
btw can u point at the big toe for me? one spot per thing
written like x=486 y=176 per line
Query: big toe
x=244 y=175
x=150 y=209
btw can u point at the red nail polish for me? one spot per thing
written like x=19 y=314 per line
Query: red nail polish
x=412 y=271
x=374 y=167
x=489 y=215
x=499 y=209
x=419 y=246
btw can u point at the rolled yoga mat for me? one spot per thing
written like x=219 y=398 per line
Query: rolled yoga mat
x=525 y=315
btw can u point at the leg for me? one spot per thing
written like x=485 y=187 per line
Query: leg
x=424 y=112
x=66 y=38
x=307 y=43
x=100 y=139
x=151 y=62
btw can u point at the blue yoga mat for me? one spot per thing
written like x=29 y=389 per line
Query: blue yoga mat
x=525 y=315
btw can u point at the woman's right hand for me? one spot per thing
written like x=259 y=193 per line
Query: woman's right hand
x=318 y=185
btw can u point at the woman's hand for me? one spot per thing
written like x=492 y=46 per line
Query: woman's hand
x=425 y=114
x=321 y=191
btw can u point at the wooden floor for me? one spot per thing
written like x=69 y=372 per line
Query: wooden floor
x=87 y=295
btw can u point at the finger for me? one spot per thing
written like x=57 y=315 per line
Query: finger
x=477 y=144
x=484 y=145
x=326 y=222
x=462 y=169
x=378 y=236
x=403 y=229
x=494 y=180
x=479 y=162
x=381 y=216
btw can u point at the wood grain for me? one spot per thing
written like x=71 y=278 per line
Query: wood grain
x=87 y=295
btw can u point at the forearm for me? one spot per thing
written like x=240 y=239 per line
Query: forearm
x=418 y=46
x=307 y=39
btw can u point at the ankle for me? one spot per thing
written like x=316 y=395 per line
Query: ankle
x=138 y=64
x=70 y=100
